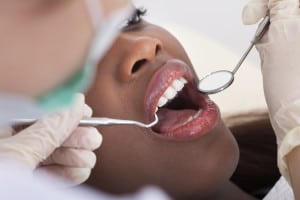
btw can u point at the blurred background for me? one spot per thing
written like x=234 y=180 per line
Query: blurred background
x=218 y=20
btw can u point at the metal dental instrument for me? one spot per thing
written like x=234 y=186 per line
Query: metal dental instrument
x=95 y=121
x=219 y=80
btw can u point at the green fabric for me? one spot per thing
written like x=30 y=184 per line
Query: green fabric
x=64 y=95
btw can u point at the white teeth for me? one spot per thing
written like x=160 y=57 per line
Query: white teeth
x=177 y=85
x=189 y=119
x=183 y=80
x=197 y=114
x=162 y=101
x=171 y=92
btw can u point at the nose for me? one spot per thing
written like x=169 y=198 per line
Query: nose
x=139 y=51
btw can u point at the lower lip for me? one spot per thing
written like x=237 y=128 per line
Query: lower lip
x=199 y=126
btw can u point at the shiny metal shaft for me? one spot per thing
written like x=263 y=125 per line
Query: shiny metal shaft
x=95 y=121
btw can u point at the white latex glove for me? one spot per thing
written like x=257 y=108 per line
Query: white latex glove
x=279 y=51
x=55 y=145
x=279 y=10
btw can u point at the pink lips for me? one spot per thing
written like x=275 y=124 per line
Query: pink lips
x=160 y=81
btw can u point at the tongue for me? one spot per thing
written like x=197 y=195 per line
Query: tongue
x=171 y=119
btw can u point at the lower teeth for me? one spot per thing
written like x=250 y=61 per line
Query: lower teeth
x=198 y=113
x=193 y=117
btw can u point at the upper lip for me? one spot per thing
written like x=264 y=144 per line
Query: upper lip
x=161 y=80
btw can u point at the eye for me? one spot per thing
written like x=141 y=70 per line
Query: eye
x=135 y=18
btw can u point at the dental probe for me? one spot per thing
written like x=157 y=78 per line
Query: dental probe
x=94 y=121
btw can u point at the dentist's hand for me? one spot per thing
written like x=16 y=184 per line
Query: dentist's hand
x=74 y=160
x=55 y=145
x=279 y=51
x=279 y=10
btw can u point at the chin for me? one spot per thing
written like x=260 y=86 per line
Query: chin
x=202 y=174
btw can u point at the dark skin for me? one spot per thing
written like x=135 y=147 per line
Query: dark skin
x=132 y=157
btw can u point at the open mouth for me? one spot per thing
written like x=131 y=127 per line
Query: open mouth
x=183 y=112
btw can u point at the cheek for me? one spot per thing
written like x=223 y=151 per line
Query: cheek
x=103 y=97
x=122 y=160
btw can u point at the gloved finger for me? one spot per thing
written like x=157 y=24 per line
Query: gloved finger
x=71 y=157
x=284 y=9
x=254 y=11
x=87 y=111
x=6 y=132
x=70 y=175
x=35 y=143
x=87 y=138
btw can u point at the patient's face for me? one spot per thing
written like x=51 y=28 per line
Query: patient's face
x=190 y=152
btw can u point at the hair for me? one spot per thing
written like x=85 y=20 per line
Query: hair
x=257 y=170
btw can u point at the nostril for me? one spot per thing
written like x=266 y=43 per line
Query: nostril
x=157 y=49
x=137 y=65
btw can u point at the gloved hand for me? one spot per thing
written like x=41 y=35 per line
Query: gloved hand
x=279 y=51
x=279 y=10
x=55 y=145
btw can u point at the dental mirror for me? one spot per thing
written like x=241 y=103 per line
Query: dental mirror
x=219 y=80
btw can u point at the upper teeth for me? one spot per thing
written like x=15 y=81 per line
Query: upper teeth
x=171 y=92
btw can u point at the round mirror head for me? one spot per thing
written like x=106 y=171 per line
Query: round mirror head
x=215 y=82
